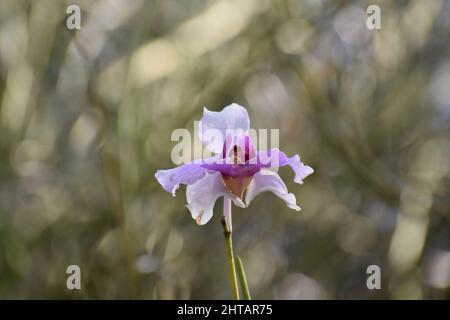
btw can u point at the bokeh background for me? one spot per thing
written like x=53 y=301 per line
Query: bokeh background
x=86 y=118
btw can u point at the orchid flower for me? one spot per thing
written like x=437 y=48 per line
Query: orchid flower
x=236 y=171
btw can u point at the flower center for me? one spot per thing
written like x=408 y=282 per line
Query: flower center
x=242 y=149
x=237 y=156
x=236 y=185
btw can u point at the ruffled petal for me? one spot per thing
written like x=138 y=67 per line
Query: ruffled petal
x=267 y=180
x=188 y=174
x=214 y=125
x=275 y=158
x=203 y=194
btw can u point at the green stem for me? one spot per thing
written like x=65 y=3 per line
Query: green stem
x=230 y=258
x=243 y=279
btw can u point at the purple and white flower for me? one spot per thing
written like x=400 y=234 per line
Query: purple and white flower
x=236 y=170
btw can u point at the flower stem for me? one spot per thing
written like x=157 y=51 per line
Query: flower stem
x=227 y=231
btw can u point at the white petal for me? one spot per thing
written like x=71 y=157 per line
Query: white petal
x=232 y=117
x=267 y=180
x=203 y=194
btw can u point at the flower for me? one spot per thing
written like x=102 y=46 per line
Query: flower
x=236 y=170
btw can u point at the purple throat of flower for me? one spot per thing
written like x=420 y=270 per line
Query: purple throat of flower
x=236 y=171
x=238 y=182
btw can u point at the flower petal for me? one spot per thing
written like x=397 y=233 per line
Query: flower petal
x=203 y=194
x=188 y=174
x=275 y=158
x=232 y=117
x=267 y=180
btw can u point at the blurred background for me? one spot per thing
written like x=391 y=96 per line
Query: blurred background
x=86 y=118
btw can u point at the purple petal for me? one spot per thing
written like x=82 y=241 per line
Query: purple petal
x=234 y=170
x=275 y=158
x=272 y=158
x=171 y=179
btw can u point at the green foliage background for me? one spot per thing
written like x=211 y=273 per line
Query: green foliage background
x=86 y=119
